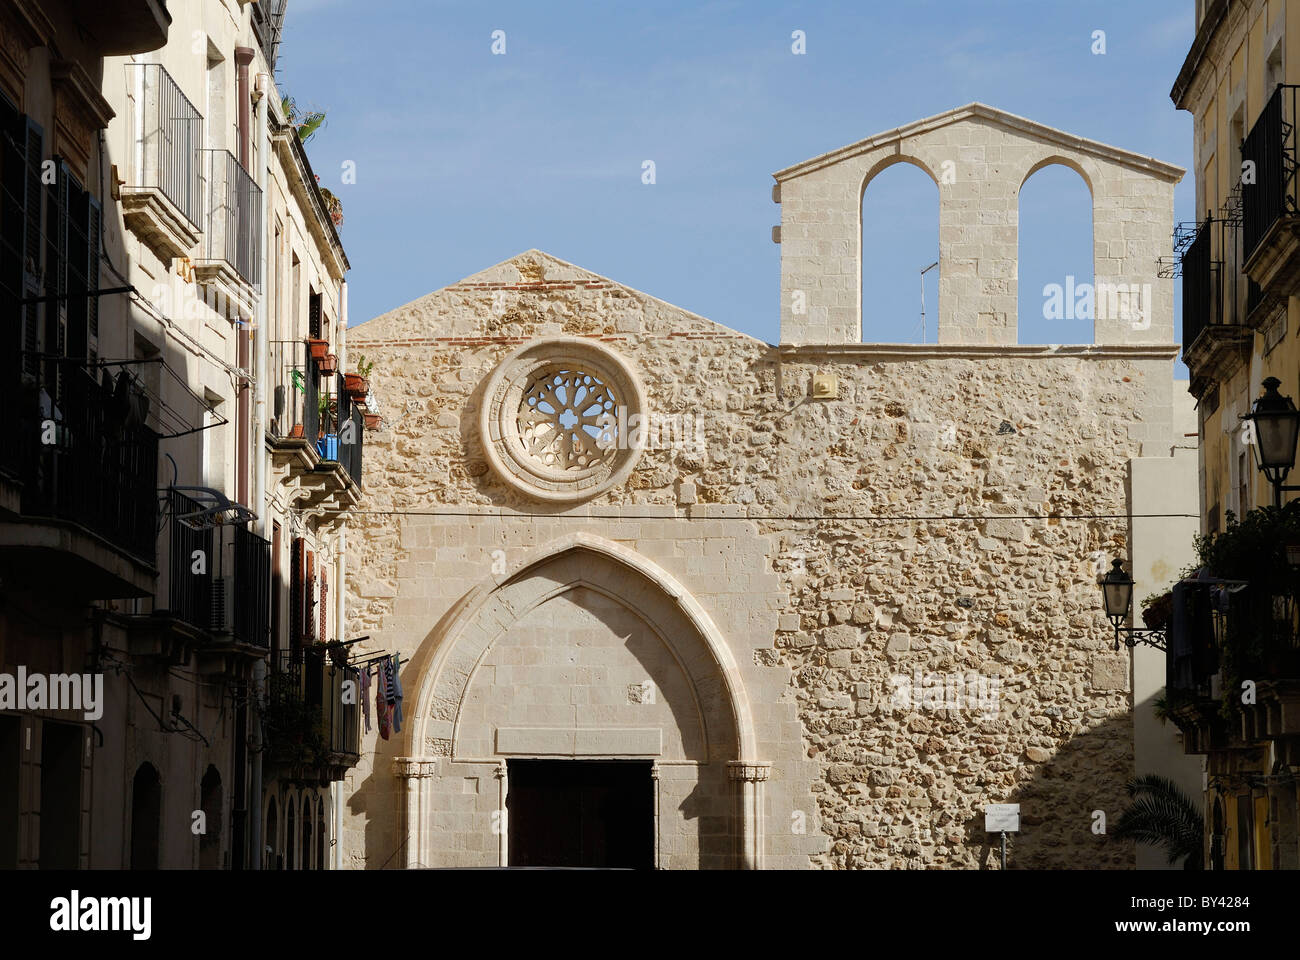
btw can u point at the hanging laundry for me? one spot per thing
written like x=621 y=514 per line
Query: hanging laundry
x=382 y=715
x=397 y=693
x=365 y=696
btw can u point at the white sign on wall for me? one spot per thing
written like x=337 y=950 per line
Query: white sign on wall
x=1002 y=817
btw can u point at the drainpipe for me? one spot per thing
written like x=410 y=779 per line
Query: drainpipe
x=260 y=466
x=243 y=57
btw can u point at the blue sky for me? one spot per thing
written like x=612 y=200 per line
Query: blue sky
x=464 y=158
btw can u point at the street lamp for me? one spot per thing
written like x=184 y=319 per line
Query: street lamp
x=1277 y=424
x=1117 y=600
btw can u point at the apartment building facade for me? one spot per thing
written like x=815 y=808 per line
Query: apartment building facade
x=1234 y=682
x=188 y=453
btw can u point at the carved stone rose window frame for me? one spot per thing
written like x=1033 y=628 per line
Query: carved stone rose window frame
x=541 y=422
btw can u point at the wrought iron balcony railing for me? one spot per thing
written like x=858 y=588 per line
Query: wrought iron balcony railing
x=219 y=575
x=1271 y=149
x=232 y=227
x=348 y=425
x=310 y=723
x=295 y=410
x=88 y=456
x=1202 y=286
x=166 y=140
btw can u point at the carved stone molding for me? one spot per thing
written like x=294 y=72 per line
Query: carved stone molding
x=748 y=770
x=410 y=768
x=80 y=112
x=22 y=27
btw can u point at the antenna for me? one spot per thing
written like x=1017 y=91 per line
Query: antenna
x=923 y=273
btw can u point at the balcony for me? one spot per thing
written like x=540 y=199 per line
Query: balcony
x=162 y=198
x=267 y=19
x=218 y=593
x=347 y=420
x=88 y=467
x=315 y=432
x=1271 y=216
x=231 y=249
x=310 y=730
x=1224 y=638
x=1212 y=333
x=121 y=27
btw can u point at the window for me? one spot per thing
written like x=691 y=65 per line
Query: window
x=1243 y=485
x=277 y=281
x=277 y=585
x=213 y=455
x=21 y=198
x=295 y=285
x=297 y=596
x=314 y=325
x=214 y=133
x=1273 y=71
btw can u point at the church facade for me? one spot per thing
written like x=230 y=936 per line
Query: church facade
x=666 y=595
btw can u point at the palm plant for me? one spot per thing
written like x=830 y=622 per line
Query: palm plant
x=1162 y=815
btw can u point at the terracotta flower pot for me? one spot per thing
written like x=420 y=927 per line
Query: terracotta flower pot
x=330 y=365
x=372 y=421
x=356 y=384
x=319 y=349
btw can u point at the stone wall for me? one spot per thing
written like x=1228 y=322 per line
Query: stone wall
x=942 y=514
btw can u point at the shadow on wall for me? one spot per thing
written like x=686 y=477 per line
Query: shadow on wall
x=1064 y=801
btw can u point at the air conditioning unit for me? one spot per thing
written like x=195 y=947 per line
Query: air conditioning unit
x=223 y=605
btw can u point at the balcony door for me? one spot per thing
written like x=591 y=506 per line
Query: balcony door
x=581 y=813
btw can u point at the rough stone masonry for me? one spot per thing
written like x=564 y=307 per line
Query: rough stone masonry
x=847 y=600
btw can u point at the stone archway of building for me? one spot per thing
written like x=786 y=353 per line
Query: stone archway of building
x=699 y=737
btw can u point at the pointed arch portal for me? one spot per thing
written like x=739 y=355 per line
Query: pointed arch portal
x=583 y=656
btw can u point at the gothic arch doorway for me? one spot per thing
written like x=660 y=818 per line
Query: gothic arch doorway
x=587 y=673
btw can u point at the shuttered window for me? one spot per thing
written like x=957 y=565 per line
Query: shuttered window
x=309 y=594
x=21 y=207
x=296 y=596
x=70 y=326
x=324 y=603
x=314 y=316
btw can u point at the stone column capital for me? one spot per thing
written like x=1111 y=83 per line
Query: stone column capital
x=410 y=768
x=752 y=771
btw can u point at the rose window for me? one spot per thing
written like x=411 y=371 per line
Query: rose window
x=552 y=415
x=569 y=420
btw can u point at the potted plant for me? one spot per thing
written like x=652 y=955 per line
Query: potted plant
x=372 y=420
x=327 y=444
x=1158 y=610
x=319 y=349
x=358 y=384
x=330 y=365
